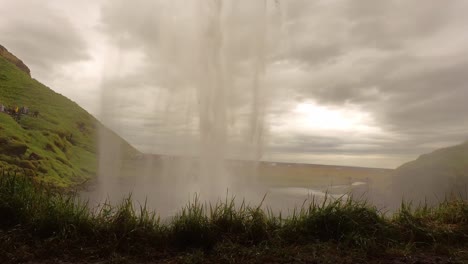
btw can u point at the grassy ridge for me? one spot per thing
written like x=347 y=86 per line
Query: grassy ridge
x=40 y=217
x=59 y=146
x=59 y=157
x=433 y=175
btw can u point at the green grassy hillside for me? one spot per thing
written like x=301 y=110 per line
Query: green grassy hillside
x=434 y=175
x=59 y=145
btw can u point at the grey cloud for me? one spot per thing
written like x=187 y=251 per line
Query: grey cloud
x=415 y=95
x=314 y=54
x=389 y=58
x=430 y=100
x=349 y=52
x=335 y=145
x=386 y=24
x=130 y=24
x=41 y=36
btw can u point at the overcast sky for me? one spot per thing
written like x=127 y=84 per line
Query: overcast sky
x=365 y=83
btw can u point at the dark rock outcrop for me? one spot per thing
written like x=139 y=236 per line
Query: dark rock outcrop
x=13 y=59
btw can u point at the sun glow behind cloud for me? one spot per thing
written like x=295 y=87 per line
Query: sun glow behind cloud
x=313 y=117
x=318 y=128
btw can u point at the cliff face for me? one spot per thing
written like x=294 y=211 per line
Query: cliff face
x=13 y=59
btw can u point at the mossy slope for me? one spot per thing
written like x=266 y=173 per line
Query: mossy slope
x=59 y=146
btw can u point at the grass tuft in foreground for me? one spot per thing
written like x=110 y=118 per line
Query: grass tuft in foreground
x=33 y=213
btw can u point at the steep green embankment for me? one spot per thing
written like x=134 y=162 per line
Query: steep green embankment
x=434 y=175
x=58 y=146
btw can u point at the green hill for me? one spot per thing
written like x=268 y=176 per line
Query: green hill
x=435 y=175
x=57 y=146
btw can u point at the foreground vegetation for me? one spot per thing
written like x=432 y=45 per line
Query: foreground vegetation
x=39 y=223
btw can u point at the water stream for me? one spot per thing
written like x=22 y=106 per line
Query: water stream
x=205 y=110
